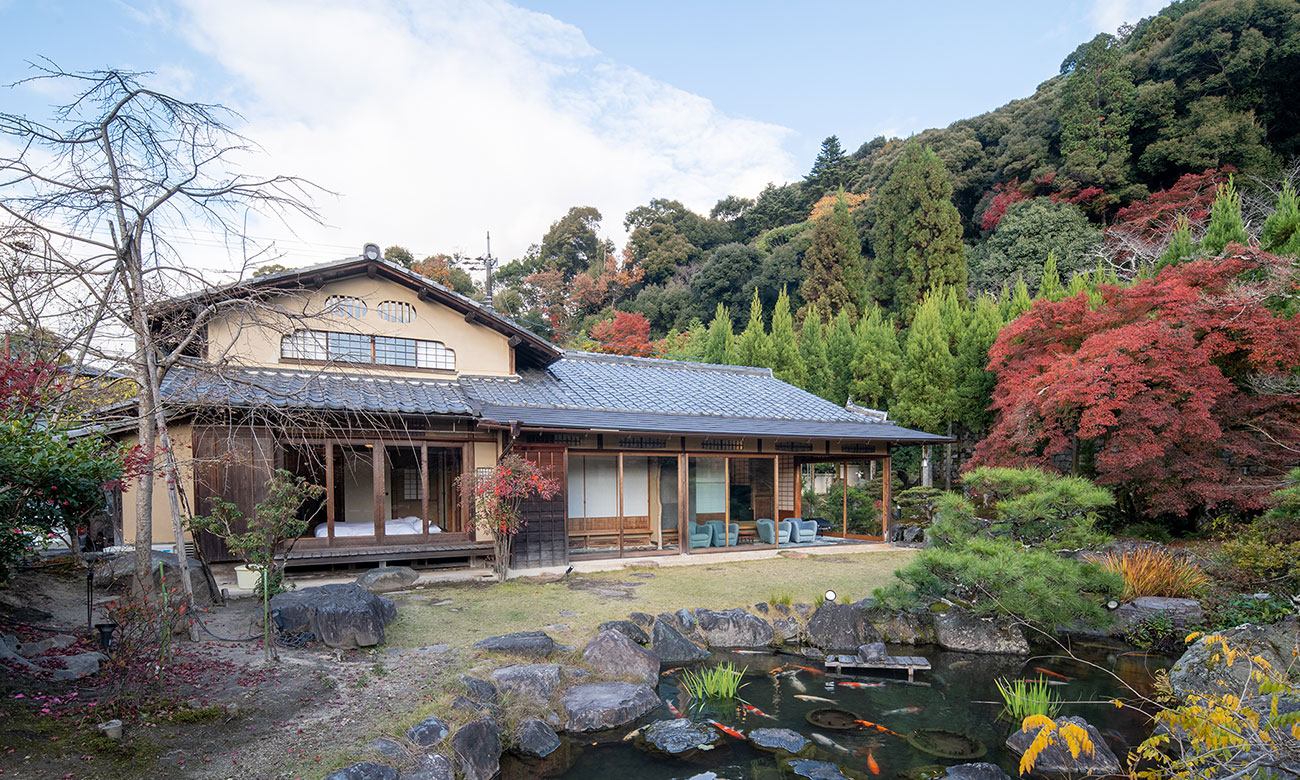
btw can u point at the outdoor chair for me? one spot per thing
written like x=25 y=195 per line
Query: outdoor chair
x=732 y=533
x=787 y=530
x=701 y=535
x=805 y=530
x=770 y=532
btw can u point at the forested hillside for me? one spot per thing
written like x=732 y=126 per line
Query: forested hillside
x=891 y=274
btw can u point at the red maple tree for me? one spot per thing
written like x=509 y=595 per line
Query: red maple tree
x=1004 y=195
x=1143 y=227
x=1150 y=391
x=627 y=334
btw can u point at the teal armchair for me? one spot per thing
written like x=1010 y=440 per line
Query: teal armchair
x=700 y=535
x=732 y=533
x=770 y=532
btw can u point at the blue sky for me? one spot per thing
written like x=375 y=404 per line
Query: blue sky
x=436 y=121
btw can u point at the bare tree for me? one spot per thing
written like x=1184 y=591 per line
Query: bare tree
x=98 y=198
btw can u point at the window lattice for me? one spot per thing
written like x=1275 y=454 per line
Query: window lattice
x=412 y=485
x=396 y=311
x=346 y=306
x=362 y=348
x=349 y=347
x=793 y=446
x=723 y=445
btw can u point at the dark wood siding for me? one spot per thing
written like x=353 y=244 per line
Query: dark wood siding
x=543 y=541
x=232 y=464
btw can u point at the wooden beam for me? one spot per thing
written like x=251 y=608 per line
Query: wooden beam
x=378 y=461
x=514 y=341
x=620 y=505
x=683 y=505
x=372 y=270
x=424 y=486
x=329 y=492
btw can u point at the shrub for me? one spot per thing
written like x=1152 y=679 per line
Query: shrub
x=1152 y=532
x=1155 y=571
x=1269 y=548
x=1262 y=610
x=1028 y=505
x=991 y=576
x=918 y=505
x=146 y=620
x=1022 y=698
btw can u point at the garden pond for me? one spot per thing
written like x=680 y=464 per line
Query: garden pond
x=958 y=695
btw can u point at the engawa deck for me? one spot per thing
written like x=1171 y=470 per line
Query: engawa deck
x=475 y=551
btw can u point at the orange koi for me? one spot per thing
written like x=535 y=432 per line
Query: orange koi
x=725 y=729
x=877 y=727
x=756 y=711
x=673 y=709
x=1050 y=673
x=806 y=669
x=667 y=672
x=861 y=685
x=777 y=670
x=871 y=764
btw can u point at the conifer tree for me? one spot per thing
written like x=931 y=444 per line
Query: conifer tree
x=1049 y=285
x=720 y=342
x=812 y=349
x=1180 y=246
x=925 y=387
x=834 y=273
x=1020 y=301
x=840 y=349
x=1078 y=284
x=876 y=359
x=829 y=171
x=752 y=347
x=1226 y=225
x=952 y=310
x=783 y=351
x=917 y=234
x=1282 y=228
x=974 y=382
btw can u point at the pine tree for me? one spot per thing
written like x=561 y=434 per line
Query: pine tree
x=1226 y=225
x=1180 y=246
x=974 y=382
x=834 y=273
x=1020 y=301
x=1049 y=285
x=812 y=349
x=720 y=342
x=876 y=359
x=1282 y=228
x=752 y=347
x=783 y=350
x=1078 y=284
x=841 y=347
x=925 y=387
x=952 y=310
x=829 y=171
x=917 y=234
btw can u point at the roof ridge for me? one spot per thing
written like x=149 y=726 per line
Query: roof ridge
x=687 y=365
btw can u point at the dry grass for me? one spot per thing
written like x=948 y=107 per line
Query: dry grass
x=479 y=610
x=1155 y=571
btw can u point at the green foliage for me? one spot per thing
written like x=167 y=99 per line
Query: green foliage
x=919 y=504
x=721 y=682
x=1269 y=548
x=975 y=382
x=784 y=356
x=1154 y=532
x=812 y=351
x=720 y=343
x=1180 y=246
x=917 y=234
x=1282 y=228
x=784 y=597
x=876 y=359
x=1049 y=284
x=1022 y=698
x=1096 y=113
x=1000 y=576
x=841 y=347
x=1031 y=506
x=1025 y=236
x=276 y=520
x=571 y=245
x=830 y=171
x=863 y=507
x=833 y=268
x=727 y=278
x=1226 y=225
x=1019 y=303
x=1260 y=609
x=925 y=387
x=753 y=348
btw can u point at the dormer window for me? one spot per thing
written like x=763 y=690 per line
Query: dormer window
x=345 y=306
x=396 y=311
x=320 y=346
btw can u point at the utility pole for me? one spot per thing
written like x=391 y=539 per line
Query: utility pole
x=487 y=263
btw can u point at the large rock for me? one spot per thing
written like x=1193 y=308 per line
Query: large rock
x=779 y=740
x=117 y=574
x=1180 y=613
x=531 y=644
x=606 y=705
x=1197 y=671
x=787 y=630
x=815 y=770
x=366 y=770
x=613 y=654
x=679 y=737
x=477 y=749
x=40 y=647
x=642 y=620
x=80 y=665
x=532 y=681
x=839 y=627
x=339 y=615
x=432 y=766
x=673 y=648
x=904 y=627
x=1056 y=760
x=428 y=732
x=957 y=629
x=979 y=771
x=479 y=690
x=733 y=628
x=386 y=578
x=534 y=737
x=632 y=630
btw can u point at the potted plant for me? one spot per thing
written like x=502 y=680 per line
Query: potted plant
x=497 y=493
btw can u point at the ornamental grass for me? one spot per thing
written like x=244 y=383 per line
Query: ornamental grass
x=1155 y=571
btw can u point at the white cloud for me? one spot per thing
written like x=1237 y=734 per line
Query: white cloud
x=1108 y=15
x=437 y=121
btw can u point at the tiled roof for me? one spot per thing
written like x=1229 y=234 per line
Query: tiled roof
x=581 y=390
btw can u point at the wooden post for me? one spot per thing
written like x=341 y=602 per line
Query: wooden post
x=927 y=479
x=844 y=491
x=378 y=462
x=726 y=503
x=620 y=505
x=466 y=510
x=424 y=486
x=683 y=505
x=886 y=497
x=329 y=493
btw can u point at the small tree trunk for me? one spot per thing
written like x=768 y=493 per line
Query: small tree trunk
x=144 y=490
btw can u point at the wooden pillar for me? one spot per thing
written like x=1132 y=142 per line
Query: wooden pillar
x=466 y=508
x=683 y=505
x=620 y=505
x=329 y=493
x=726 y=503
x=424 y=486
x=886 y=497
x=927 y=479
x=844 y=492
x=378 y=462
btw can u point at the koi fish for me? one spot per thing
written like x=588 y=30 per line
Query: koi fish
x=901 y=711
x=797 y=684
x=1050 y=673
x=877 y=727
x=632 y=734
x=749 y=652
x=805 y=697
x=826 y=741
x=667 y=672
x=725 y=729
x=673 y=709
x=756 y=711
x=1040 y=680
x=808 y=669
x=871 y=764
x=861 y=685
x=776 y=671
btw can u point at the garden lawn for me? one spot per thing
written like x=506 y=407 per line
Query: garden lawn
x=478 y=609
